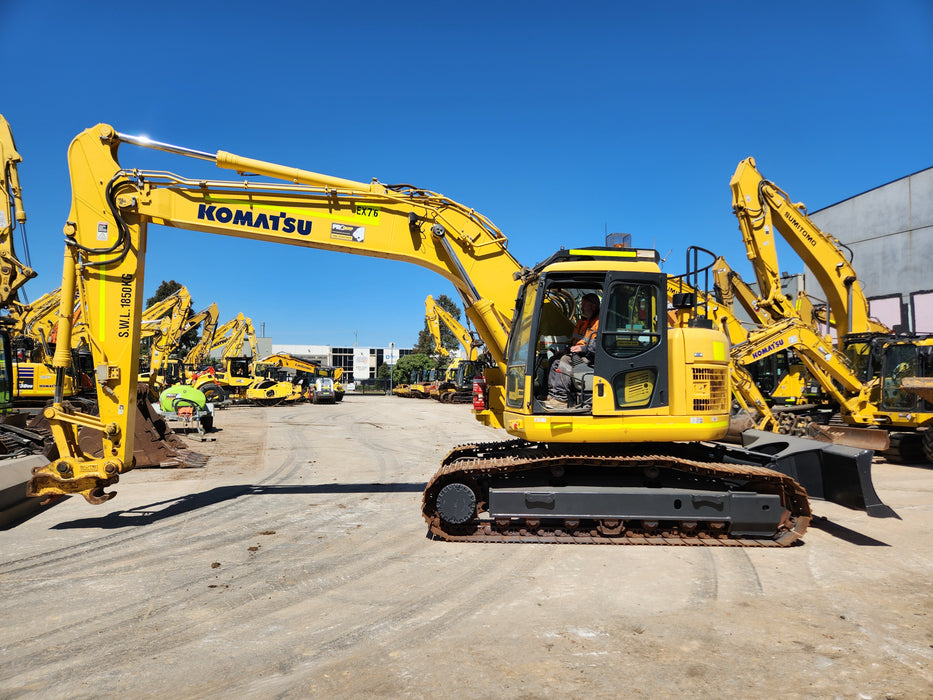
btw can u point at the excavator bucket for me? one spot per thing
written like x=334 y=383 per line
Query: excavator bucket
x=739 y=422
x=155 y=443
x=921 y=386
x=834 y=473
x=850 y=435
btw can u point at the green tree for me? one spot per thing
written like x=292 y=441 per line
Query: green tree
x=398 y=376
x=411 y=363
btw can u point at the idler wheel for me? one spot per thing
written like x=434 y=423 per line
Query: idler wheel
x=456 y=503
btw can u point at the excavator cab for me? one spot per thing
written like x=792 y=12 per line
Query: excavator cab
x=630 y=352
x=900 y=361
x=626 y=368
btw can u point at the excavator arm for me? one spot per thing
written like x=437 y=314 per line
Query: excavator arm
x=209 y=318
x=466 y=339
x=222 y=333
x=434 y=325
x=172 y=328
x=13 y=273
x=175 y=303
x=731 y=288
x=106 y=238
x=42 y=314
x=826 y=364
x=240 y=333
x=763 y=208
x=171 y=319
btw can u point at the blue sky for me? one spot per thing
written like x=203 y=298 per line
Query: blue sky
x=558 y=121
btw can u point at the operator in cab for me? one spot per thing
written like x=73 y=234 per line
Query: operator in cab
x=560 y=376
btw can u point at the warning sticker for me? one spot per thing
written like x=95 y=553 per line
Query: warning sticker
x=102 y=229
x=348 y=232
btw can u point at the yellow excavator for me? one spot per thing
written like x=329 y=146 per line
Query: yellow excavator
x=866 y=372
x=197 y=354
x=164 y=324
x=632 y=459
x=32 y=329
x=456 y=383
x=26 y=328
x=164 y=369
x=238 y=380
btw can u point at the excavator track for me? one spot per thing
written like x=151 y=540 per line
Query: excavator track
x=475 y=465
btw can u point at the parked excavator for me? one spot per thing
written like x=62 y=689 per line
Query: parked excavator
x=163 y=324
x=199 y=352
x=866 y=373
x=456 y=383
x=165 y=369
x=32 y=337
x=632 y=460
x=238 y=380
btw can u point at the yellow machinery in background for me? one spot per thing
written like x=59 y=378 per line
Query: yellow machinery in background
x=237 y=380
x=166 y=323
x=456 y=383
x=32 y=329
x=629 y=460
x=13 y=273
x=312 y=381
x=25 y=331
x=870 y=363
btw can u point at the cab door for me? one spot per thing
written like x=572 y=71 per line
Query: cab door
x=631 y=355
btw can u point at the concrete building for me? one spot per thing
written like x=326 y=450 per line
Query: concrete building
x=359 y=363
x=889 y=230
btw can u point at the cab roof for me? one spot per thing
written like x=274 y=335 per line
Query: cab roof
x=607 y=257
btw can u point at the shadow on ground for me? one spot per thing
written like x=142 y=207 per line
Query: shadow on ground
x=843 y=533
x=160 y=510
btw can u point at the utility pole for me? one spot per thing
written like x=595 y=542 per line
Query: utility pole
x=391 y=365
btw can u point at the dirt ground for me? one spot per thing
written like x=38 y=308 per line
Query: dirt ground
x=296 y=564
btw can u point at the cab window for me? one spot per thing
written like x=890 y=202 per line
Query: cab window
x=632 y=321
x=519 y=349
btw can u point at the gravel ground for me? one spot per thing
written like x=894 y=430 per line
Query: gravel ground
x=296 y=564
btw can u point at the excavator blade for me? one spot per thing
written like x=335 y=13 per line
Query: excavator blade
x=835 y=473
x=155 y=444
x=850 y=435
